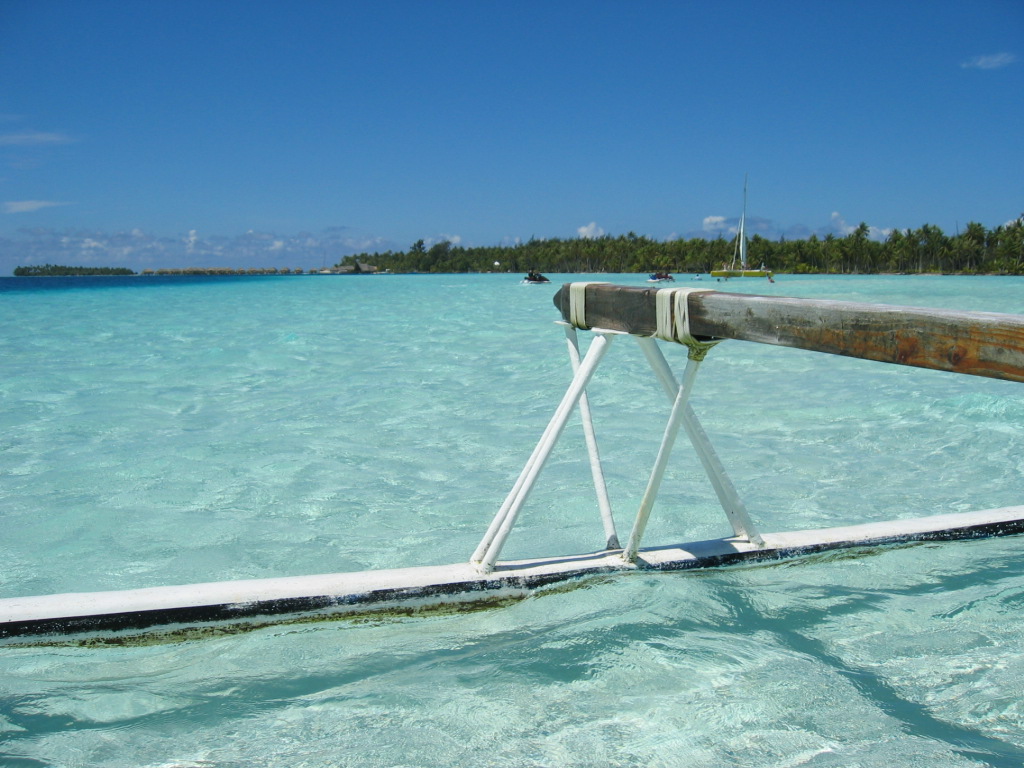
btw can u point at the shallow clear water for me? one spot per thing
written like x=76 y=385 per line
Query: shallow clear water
x=171 y=431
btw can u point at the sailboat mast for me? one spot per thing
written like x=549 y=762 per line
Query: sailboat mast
x=743 y=226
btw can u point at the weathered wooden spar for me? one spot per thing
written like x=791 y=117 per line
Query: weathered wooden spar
x=981 y=344
x=976 y=343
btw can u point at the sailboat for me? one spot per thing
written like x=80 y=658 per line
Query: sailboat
x=739 y=254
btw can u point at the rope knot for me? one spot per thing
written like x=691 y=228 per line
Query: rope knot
x=674 y=321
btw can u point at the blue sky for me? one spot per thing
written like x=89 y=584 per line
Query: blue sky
x=156 y=133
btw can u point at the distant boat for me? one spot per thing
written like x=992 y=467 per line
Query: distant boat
x=660 y=277
x=535 y=278
x=738 y=267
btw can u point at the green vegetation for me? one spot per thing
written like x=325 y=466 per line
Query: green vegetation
x=50 y=270
x=54 y=270
x=975 y=250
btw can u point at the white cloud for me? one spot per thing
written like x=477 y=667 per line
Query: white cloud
x=839 y=224
x=840 y=227
x=727 y=227
x=362 y=244
x=714 y=223
x=28 y=206
x=32 y=138
x=590 y=231
x=990 y=61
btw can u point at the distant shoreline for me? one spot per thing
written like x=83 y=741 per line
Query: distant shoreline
x=314 y=273
x=49 y=270
x=974 y=250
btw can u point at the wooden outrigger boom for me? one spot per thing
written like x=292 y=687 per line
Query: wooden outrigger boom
x=975 y=343
x=981 y=344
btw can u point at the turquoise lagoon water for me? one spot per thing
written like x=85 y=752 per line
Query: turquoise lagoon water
x=171 y=431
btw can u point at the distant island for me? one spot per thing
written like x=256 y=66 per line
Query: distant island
x=973 y=250
x=55 y=270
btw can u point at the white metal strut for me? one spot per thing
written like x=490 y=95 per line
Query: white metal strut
x=682 y=415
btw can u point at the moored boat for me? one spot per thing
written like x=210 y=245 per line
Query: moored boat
x=738 y=267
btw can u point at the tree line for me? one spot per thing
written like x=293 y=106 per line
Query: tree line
x=56 y=270
x=975 y=250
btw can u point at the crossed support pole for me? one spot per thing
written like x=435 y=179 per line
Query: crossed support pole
x=673 y=325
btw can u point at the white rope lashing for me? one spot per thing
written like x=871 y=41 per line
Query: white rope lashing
x=577 y=304
x=674 y=320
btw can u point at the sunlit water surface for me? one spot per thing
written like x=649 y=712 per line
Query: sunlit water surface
x=165 y=431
